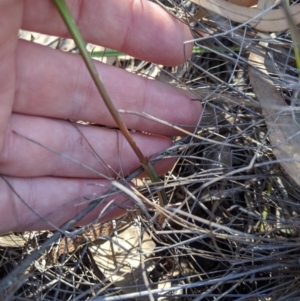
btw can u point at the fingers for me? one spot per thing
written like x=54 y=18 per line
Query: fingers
x=59 y=86
x=47 y=203
x=137 y=27
x=66 y=150
x=11 y=18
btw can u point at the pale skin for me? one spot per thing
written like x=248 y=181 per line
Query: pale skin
x=41 y=89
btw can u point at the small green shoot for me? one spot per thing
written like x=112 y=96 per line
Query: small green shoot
x=294 y=32
x=196 y=50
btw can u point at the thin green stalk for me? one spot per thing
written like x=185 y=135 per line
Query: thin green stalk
x=196 y=50
x=76 y=35
x=294 y=32
x=107 y=53
x=201 y=50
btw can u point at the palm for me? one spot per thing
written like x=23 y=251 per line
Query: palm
x=44 y=88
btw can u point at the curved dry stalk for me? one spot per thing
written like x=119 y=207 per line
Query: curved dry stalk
x=272 y=20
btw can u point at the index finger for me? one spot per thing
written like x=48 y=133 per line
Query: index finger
x=137 y=27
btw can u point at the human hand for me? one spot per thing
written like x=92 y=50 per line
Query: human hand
x=42 y=88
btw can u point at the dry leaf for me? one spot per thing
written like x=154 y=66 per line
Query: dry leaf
x=284 y=132
x=120 y=259
x=12 y=241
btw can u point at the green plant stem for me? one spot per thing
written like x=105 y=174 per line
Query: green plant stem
x=196 y=50
x=76 y=35
x=294 y=32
